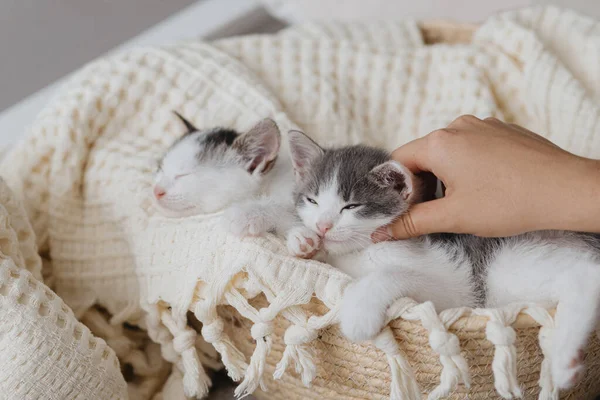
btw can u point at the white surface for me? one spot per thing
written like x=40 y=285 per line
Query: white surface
x=198 y=20
x=472 y=11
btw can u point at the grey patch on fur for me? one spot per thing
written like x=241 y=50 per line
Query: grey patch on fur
x=351 y=168
x=477 y=251
x=218 y=136
x=480 y=252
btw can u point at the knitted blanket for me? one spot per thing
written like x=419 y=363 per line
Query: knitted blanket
x=84 y=172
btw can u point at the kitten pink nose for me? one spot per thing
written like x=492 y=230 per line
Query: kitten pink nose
x=159 y=192
x=323 y=227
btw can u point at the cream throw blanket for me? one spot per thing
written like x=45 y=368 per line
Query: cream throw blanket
x=84 y=173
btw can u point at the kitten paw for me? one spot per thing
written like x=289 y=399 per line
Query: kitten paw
x=359 y=319
x=567 y=373
x=303 y=243
x=245 y=221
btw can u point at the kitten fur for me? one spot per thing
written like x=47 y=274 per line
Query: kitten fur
x=245 y=174
x=344 y=194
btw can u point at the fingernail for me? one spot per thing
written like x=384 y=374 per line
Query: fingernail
x=381 y=234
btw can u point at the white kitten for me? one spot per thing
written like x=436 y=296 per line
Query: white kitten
x=344 y=194
x=210 y=170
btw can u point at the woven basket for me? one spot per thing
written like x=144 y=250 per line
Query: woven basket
x=353 y=371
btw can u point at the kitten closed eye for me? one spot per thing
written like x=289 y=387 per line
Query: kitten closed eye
x=312 y=201
x=350 y=207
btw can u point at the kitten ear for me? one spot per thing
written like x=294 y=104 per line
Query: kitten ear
x=188 y=125
x=259 y=146
x=304 y=151
x=392 y=174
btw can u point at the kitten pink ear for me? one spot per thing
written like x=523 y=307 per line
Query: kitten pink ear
x=304 y=152
x=259 y=146
x=392 y=174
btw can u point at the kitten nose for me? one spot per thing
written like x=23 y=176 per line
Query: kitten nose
x=159 y=192
x=323 y=227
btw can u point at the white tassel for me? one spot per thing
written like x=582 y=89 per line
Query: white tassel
x=503 y=336
x=261 y=332
x=454 y=366
x=404 y=384
x=505 y=359
x=548 y=390
x=297 y=349
x=233 y=359
x=195 y=381
x=173 y=387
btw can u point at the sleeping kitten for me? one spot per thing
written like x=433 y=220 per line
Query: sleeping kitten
x=344 y=194
x=209 y=170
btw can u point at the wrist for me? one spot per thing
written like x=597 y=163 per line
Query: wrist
x=580 y=209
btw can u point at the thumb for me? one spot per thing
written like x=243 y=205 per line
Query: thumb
x=423 y=218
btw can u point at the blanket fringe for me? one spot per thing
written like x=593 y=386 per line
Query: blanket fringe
x=213 y=332
x=500 y=332
x=454 y=366
x=404 y=384
x=196 y=382
x=261 y=333
x=298 y=350
x=548 y=390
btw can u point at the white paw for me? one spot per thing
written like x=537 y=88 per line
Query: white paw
x=302 y=242
x=360 y=319
x=568 y=371
x=245 y=221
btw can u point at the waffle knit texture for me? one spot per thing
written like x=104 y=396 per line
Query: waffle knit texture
x=45 y=351
x=84 y=175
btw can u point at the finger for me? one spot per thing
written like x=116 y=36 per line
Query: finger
x=413 y=155
x=430 y=217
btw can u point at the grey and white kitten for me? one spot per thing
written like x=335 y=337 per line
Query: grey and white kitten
x=246 y=174
x=344 y=194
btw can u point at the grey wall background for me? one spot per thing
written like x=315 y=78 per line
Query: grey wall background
x=42 y=40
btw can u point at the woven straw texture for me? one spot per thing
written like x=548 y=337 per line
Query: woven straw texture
x=84 y=175
x=350 y=371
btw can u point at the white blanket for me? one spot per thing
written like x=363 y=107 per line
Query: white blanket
x=85 y=169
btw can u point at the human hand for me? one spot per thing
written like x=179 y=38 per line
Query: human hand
x=501 y=180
